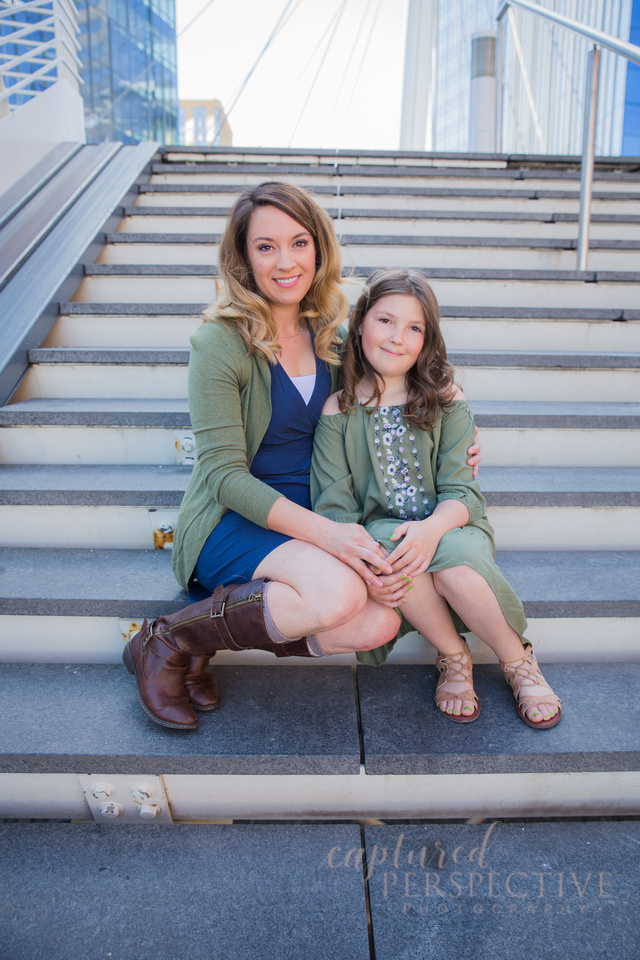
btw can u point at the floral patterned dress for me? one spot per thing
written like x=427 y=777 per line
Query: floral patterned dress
x=370 y=467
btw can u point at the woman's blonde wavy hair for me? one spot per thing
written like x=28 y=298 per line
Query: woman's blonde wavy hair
x=324 y=307
x=430 y=383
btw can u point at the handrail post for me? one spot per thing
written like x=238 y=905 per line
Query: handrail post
x=588 y=149
x=499 y=79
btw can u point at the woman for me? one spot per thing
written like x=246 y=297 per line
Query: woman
x=262 y=365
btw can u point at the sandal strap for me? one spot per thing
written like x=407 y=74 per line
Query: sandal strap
x=456 y=668
x=526 y=673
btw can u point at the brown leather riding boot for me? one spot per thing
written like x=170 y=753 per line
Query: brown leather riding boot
x=200 y=684
x=159 y=671
x=232 y=619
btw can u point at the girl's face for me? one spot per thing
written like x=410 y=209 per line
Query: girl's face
x=392 y=334
x=282 y=256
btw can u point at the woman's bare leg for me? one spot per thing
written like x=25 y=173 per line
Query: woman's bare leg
x=314 y=593
x=427 y=611
x=474 y=601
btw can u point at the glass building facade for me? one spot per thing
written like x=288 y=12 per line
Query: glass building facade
x=544 y=77
x=631 y=130
x=129 y=72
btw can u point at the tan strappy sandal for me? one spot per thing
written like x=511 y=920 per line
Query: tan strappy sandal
x=456 y=667
x=525 y=673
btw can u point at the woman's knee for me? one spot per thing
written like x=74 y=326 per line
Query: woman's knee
x=339 y=600
x=380 y=626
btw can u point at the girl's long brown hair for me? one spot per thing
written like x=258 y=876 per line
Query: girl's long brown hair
x=430 y=383
x=324 y=307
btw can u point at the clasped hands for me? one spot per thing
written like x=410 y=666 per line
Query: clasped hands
x=418 y=543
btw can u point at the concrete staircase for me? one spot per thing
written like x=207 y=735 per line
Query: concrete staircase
x=95 y=453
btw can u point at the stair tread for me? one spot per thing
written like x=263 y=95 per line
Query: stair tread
x=464 y=888
x=148 y=485
x=174 y=412
x=402 y=735
x=254 y=733
x=130 y=890
x=180 y=355
x=136 y=583
x=137 y=309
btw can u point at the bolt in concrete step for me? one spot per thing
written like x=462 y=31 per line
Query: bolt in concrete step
x=88 y=890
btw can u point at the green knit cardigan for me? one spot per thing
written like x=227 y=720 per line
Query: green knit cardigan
x=230 y=407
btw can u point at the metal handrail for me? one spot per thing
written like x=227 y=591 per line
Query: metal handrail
x=620 y=47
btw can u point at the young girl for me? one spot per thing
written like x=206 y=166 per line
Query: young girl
x=390 y=453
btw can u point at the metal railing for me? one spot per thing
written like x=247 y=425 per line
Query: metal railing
x=604 y=40
x=38 y=46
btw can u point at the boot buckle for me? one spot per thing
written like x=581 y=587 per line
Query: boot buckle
x=215 y=616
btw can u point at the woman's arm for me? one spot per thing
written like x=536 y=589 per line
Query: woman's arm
x=219 y=370
x=475 y=449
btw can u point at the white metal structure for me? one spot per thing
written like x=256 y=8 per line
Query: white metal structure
x=38 y=46
x=627 y=50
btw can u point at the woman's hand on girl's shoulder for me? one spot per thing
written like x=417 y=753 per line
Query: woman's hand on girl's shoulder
x=331 y=404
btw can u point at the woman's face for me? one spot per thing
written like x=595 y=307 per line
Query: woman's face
x=282 y=256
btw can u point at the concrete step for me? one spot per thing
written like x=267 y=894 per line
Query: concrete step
x=575 y=333
x=66 y=605
x=428 y=252
x=79 y=887
x=371 y=179
x=523 y=227
x=158 y=432
x=443 y=220
x=506 y=289
x=136 y=507
x=88 y=890
x=417 y=249
x=484 y=375
x=445 y=198
x=322 y=762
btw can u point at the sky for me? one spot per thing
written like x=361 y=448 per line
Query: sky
x=331 y=76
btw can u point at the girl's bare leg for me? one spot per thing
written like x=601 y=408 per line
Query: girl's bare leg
x=472 y=598
x=427 y=611
x=314 y=593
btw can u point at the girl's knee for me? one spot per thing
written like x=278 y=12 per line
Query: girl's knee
x=454 y=580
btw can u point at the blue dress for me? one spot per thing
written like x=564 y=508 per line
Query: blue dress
x=237 y=546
